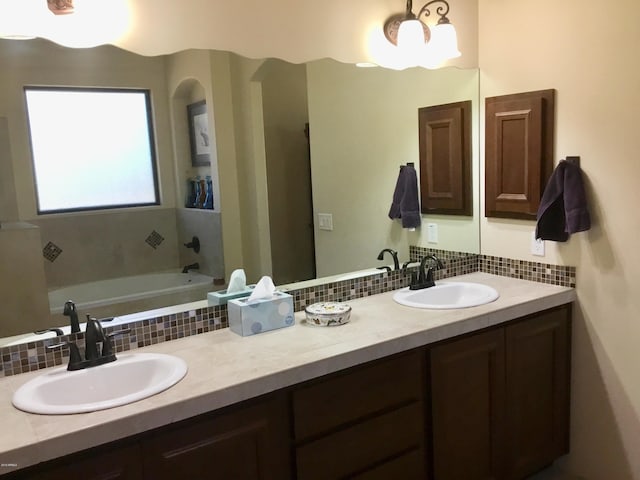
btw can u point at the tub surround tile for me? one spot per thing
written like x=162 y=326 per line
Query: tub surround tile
x=165 y=325
x=225 y=368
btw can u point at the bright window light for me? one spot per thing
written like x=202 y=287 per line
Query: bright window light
x=92 y=148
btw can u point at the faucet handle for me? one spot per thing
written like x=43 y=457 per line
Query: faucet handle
x=74 y=353
x=107 y=346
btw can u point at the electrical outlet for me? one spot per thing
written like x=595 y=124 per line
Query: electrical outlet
x=325 y=221
x=537 y=246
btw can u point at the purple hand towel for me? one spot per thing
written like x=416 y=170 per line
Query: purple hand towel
x=405 y=204
x=563 y=208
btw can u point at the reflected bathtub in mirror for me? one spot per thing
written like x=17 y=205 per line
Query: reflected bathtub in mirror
x=119 y=296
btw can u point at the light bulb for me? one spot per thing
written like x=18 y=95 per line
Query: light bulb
x=411 y=36
x=444 y=42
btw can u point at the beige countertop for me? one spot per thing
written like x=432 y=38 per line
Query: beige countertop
x=225 y=368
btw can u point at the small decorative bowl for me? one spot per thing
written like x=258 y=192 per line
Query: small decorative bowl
x=328 y=314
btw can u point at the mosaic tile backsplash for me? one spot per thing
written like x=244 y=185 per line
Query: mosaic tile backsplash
x=36 y=355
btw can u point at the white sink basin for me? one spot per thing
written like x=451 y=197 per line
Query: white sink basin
x=447 y=295
x=130 y=378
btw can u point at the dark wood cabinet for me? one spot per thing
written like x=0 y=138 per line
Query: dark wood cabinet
x=500 y=399
x=490 y=405
x=364 y=423
x=246 y=443
x=537 y=388
x=445 y=159
x=468 y=403
x=116 y=462
x=518 y=152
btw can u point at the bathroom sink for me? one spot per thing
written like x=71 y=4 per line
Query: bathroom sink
x=130 y=378
x=447 y=295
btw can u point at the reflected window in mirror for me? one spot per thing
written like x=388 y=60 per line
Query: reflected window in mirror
x=91 y=148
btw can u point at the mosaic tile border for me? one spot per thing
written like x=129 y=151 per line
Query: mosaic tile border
x=562 y=275
x=33 y=356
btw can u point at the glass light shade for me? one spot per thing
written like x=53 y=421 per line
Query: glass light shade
x=411 y=36
x=23 y=19
x=444 y=42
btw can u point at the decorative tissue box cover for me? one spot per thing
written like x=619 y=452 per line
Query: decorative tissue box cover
x=248 y=318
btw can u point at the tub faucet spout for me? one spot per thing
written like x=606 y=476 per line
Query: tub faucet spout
x=394 y=255
x=193 y=266
x=71 y=312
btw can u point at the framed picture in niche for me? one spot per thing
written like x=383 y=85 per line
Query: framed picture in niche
x=199 y=135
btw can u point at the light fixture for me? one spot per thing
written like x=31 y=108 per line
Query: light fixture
x=418 y=43
x=60 y=7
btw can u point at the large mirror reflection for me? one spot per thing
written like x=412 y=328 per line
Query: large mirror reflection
x=289 y=144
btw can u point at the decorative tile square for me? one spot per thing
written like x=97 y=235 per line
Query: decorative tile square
x=154 y=239
x=51 y=251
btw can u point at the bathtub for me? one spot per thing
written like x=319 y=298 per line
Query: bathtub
x=117 y=296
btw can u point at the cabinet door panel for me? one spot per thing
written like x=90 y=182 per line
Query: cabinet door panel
x=117 y=463
x=538 y=353
x=360 y=392
x=409 y=466
x=358 y=448
x=467 y=385
x=250 y=443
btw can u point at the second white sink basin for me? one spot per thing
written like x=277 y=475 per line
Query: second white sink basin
x=130 y=378
x=447 y=295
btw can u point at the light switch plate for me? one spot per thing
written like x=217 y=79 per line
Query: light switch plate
x=325 y=221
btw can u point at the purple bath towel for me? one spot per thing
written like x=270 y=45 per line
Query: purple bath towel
x=563 y=208
x=405 y=204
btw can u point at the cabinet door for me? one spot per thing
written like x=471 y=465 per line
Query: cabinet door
x=538 y=356
x=518 y=152
x=111 y=463
x=365 y=423
x=366 y=445
x=467 y=387
x=246 y=443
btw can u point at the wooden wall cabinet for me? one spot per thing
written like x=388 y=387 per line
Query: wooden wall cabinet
x=445 y=159
x=488 y=405
x=518 y=152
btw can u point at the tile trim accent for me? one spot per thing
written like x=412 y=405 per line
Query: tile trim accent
x=33 y=356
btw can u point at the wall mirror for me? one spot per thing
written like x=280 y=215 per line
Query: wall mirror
x=292 y=142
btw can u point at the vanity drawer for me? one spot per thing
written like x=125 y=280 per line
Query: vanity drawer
x=357 y=393
x=360 y=450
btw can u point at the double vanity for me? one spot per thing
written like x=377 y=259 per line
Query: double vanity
x=398 y=392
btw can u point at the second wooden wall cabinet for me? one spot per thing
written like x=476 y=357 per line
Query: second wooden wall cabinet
x=487 y=405
x=518 y=152
x=445 y=159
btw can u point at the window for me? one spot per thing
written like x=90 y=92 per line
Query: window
x=92 y=148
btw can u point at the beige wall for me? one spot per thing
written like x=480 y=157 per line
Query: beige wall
x=364 y=124
x=585 y=50
x=285 y=109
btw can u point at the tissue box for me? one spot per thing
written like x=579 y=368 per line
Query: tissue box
x=221 y=297
x=261 y=315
